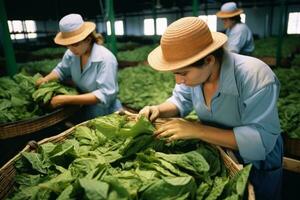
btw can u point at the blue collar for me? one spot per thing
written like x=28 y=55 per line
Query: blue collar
x=96 y=55
x=227 y=77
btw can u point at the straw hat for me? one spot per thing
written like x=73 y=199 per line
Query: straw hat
x=73 y=29
x=184 y=42
x=229 y=10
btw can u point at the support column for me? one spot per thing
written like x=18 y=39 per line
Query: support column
x=195 y=8
x=111 y=18
x=11 y=65
x=154 y=17
x=280 y=32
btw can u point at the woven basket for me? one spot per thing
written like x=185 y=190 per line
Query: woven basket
x=8 y=172
x=291 y=146
x=13 y=129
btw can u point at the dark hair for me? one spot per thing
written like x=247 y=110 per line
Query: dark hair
x=218 y=54
x=236 y=19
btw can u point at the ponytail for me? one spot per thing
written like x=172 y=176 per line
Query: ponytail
x=97 y=38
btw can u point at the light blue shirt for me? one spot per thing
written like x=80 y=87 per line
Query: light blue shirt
x=240 y=39
x=99 y=77
x=246 y=102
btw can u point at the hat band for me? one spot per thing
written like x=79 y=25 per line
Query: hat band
x=73 y=33
x=229 y=12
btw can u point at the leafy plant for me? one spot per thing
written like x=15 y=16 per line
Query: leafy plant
x=43 y=67
x=141 y=86
x=21 y=100
x=288 y=103
x=92 y=163
x=268 y=46
x=137 y=55
x=47 y=90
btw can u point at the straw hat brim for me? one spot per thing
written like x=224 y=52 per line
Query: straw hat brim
x=222 y=14
x=157 y=61
x=88 y=28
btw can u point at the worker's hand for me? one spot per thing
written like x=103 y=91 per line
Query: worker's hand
x=179 y=129
x=41 y=81
x=58 y=101
x=150 y=112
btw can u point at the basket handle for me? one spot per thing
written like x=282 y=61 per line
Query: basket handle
x=33 y=145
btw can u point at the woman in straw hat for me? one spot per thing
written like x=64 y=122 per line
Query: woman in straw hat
x=234 y=96
x=240 y=38
x=91 y=66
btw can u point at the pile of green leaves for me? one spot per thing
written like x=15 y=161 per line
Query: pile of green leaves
x=50 y=52
x=16 y=101
x=21 y=100
x=48 y=90
x=43 y=67
x=268 y=46
x=113 y=157
x=288 y=103
x=141 y=86
x=136 y=55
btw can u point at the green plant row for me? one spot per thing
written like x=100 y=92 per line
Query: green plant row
x=59 y=51
x=268 y=46
x=141 y=86
x=136 y=55
x=289 y=101
x=43 y=67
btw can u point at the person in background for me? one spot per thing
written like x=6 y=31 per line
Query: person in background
x=234 y=96
x=240 y=38
x=90 y=66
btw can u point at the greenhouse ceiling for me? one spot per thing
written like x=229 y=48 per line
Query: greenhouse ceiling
x=55 y=9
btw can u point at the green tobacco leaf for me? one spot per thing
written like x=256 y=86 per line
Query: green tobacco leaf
x=25 y=179
x=66 y=194
x=202 y=190
x=238 y=183
x=36 y=161
x=80 y=167
x=143 y=125
x=94 y=190
x=31 y=193
x=58 y=183
x=217 y=189
x=137 y=144
x=63 y=154
x=117 y=191
x=170 y=188
x=192 y=161
x=108 y=125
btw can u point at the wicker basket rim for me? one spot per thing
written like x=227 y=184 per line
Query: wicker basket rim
x=34 y=119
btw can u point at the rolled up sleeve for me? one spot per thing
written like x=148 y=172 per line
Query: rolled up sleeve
x=257 y=137
x=182 y=99
x=106 y=83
